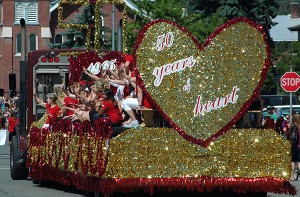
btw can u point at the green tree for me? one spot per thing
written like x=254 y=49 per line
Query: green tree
x=77 y=38
x=179 y=11
x=260 y=11
x=287 y=58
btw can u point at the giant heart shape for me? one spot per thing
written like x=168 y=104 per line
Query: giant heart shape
x=201 y=90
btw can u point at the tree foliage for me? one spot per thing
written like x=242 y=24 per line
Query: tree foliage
x=179 y=11
x=260 y=11
x=77 y=38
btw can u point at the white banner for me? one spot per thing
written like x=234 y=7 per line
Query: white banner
x=2 y=137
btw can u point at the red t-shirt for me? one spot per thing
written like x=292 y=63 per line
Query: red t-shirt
x=12 y=122
x=68 y=101
x=128 y=58
x=145 y=102
x=52 y=112
x=112 y=112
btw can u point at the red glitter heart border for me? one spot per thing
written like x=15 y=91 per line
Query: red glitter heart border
x=245 y=106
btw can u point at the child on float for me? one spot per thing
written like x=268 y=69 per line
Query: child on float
x=66 y=99
x=109 y=108
x=52 y=109
x=81 y=113
x=99 y=87
x=119 y=86
x=116 y=84
x=88 y=108
x=129 y=105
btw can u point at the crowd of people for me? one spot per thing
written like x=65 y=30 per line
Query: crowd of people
x=289 y=127
x=8 y=115
x=112 y=94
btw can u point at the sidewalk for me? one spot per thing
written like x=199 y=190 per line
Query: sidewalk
x=4 y=150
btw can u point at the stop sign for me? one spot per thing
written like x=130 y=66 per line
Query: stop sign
x=290 y=81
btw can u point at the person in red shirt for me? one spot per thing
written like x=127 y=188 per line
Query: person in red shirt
x=71 y=103
x=12 y=123
x=110 y=109
x=52 y=109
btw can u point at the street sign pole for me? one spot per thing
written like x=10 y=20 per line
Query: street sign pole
x=290 y=82
x=291 y=100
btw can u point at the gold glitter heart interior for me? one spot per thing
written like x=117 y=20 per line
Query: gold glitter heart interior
x=202 y=90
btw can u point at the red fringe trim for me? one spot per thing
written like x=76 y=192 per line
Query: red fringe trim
x=152 y=185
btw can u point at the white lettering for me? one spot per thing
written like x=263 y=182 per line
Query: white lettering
x=187 y=87
x=164 y=40
x=167 y=69
x=160 y=45
x=106 y=65
x=218 y=103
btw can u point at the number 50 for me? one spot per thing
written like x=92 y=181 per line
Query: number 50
x=164 y=40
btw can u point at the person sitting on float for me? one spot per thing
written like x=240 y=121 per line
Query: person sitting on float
x=131 y=104
x=52 y=109
x=116 y=83
x=87 y=109
x=82 y=111
x=108 y=108
x=99 y=87
x=67 y=99
x=120 y=87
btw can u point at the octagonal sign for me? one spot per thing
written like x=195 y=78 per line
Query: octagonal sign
x=290 y=81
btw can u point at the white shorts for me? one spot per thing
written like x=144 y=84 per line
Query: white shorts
x=129 y=104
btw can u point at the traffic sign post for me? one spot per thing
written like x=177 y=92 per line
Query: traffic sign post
x=290 y=82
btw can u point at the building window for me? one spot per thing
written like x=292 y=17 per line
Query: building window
x=26 y=10
x=18 y=42
x=1 y=13
x=58 y=39
x=32 y=42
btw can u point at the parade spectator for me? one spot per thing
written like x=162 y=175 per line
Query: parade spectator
x=295 y=145
x=270 y=119
x=12 y=123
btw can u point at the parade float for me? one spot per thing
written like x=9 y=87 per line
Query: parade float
x=202 y=90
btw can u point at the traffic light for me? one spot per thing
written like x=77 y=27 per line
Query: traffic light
x=1 y=92
x=12 y=93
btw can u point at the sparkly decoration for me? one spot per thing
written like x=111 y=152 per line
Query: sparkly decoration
x=84 y=60
x=223 y=76
x=159 y=159
x=81 y=149
x=97 y=22
x=248 y=160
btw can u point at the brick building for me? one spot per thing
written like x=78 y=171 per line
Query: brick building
x=41 y=28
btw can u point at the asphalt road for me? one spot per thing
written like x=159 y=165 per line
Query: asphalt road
x=25 y=188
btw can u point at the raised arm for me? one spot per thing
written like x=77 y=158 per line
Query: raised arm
x=93 y=77
x=39 y=101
